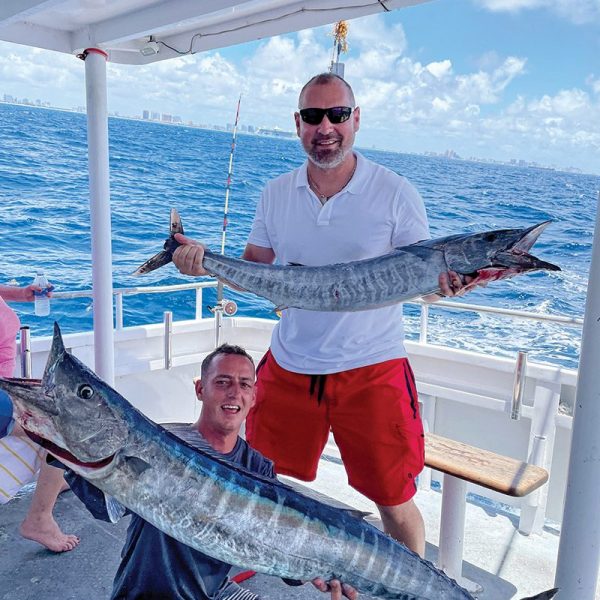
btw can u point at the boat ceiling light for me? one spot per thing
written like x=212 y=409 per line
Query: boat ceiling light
x=150 y=48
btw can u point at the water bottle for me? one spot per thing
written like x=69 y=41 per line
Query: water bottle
x=41 y=300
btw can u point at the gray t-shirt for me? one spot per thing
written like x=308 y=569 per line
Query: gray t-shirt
x=155 y=565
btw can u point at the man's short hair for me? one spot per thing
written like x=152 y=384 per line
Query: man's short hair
x=222 y=349
x=324 y=79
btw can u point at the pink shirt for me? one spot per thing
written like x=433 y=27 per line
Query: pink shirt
x=9 y=325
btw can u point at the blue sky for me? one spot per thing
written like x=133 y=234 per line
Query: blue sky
x=559 y=52
x=498 y=79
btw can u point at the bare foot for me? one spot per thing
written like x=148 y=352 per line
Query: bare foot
x=48 y=534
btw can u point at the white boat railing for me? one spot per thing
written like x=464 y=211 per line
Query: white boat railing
x=119 y=294
x=480 y=308
x=425 y=308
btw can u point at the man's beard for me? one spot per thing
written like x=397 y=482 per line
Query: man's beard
x=325 y=158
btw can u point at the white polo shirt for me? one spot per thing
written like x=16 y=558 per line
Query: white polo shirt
x=377 y=211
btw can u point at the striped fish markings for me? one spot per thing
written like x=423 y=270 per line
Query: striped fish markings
x=204 y=501
x=403 y=274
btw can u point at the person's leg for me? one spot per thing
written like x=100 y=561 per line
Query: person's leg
x=377 y=427
x=404 y=522
x=39 y=524
x=289 y=422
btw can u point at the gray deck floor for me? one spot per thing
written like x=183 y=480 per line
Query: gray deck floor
x=507 y=564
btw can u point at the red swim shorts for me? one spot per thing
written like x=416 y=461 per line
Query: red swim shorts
x=372 y=411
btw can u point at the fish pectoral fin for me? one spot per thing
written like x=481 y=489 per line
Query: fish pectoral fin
x=136 y=465
x=292 y=582
x=295 y=264
x=114 y=508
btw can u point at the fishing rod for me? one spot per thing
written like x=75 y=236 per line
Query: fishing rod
x=228 y=307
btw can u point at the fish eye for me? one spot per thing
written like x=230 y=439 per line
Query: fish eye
x=85 y=391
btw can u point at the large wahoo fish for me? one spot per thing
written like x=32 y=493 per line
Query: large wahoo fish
x=204 y=501
x=406 y=273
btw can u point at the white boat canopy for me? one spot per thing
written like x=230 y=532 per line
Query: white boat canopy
x=145 y=31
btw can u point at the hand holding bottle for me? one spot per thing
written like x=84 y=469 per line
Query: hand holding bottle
x=41 y=290
x=12 y=293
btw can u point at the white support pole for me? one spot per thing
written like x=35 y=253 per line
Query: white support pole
x=97 y=124
x=579 y=548
x=198 y=303
x=541 y=449
x=452 y=531
x=452 y=528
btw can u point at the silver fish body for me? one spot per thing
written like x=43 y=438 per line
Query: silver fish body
x=404 y=274
x=206 y=502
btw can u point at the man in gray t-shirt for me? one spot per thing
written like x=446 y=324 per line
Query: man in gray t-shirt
x=157 y=566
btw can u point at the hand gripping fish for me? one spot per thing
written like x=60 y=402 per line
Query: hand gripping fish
x=206 y=502
x=403 y=274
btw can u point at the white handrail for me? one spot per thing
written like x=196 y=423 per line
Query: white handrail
x=131 y=291
x=517 y=314
x=425 y=307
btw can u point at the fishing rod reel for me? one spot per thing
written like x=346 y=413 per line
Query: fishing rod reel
x=227 y=307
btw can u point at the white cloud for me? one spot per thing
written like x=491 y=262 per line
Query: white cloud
x=36 y=73
x=441 y=104
x=577 y=11
x=440 y=69
x=594 y=84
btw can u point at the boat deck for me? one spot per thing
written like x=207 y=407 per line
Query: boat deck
x=506 y=563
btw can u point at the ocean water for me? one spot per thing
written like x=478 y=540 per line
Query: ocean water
x=44 y=222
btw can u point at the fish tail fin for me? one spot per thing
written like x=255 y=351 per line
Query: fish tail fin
x=544 y=595
x=158 y=260
x=165 y=256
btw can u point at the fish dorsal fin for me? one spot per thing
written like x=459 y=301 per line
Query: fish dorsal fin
x=203 y=447
x=315 y=495
x=420 y=251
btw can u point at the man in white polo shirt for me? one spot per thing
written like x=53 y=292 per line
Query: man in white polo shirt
x=345 y=372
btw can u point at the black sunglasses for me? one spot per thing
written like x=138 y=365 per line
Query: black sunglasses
x=335 y=114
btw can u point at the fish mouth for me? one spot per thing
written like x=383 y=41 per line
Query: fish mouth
x=31 y=390
x=517 y=257
x=65 y=455
x=514 y=260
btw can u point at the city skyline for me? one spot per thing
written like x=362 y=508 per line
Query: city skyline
x=168 y=119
